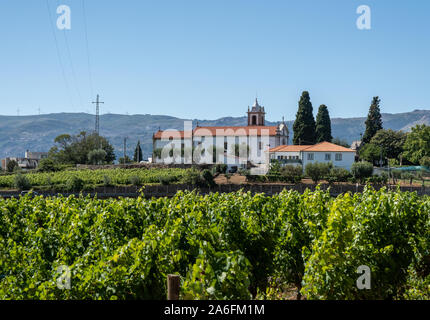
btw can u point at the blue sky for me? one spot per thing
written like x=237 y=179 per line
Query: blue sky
x=208 y=59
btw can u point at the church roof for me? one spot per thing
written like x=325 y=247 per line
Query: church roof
x=256 y=107
x=219 y=131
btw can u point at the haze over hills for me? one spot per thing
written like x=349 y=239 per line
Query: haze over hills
x=37 y=132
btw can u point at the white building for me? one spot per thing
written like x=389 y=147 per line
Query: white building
x=341 y=157
x=234 y=146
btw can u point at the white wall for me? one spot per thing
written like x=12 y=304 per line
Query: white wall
x=274 y=155
x=346 y=162
x=252 y=141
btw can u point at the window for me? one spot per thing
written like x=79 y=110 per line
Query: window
x=327 y=156
x=338 y=156
x=310 y=156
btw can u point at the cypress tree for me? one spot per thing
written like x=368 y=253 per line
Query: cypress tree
x=374 y=120
x=138 y=153
x=323 y=125
x=304 y=126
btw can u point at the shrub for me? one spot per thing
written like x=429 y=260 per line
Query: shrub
x=384 y=177
x=275 y=168
x=74 y=184
x=425 y=162
x=340 y=174
x=243 y=172
x=273 y=177
x=221 y=168
x=47 y=165
x=362 y=170
x=107 y=181
x=318 y=170
x=88 y=187
x=12 y=166
x=291 y=173
x=192 y=177
x=135 y=180
x=166 y=180
x=21 y=182
x=408 y=176
x=374 y=180
x=256 y=178
x=208 y=178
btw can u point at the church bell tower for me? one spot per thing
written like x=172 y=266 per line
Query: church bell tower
x=256 y=115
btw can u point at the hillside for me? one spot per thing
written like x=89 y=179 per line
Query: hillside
x=37 y=133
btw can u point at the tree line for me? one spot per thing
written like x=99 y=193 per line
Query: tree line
x=378 y=145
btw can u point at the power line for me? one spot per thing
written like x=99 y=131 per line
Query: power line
x=73 y=68
x=59 y=55
x=87 y=47
x=71 y=63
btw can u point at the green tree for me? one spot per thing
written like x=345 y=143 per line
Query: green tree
x=122 y=161
x=304 y=125
x=374 y=120
x=417 y=144
x=371 y=153
x=391 y=142
x=362 y=170
x=323 y=125
x=12 y=166
x=138 y=153
x=75 y=149
x=340 y=142
x=97 y=156
x=47 y=165
x=425 y=162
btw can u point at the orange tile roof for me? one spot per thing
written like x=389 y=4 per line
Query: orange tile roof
x=222 y=131
x=319 y=147
x=289 y=148
x=328 y=147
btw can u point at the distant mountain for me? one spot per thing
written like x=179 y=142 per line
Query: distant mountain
x=37 y=133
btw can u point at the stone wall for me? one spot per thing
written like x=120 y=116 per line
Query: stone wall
x=170 y=190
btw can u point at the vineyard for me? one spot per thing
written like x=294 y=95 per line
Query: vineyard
x=99 y=177
x=224 y=246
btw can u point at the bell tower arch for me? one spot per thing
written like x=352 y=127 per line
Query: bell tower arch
x=256 y=115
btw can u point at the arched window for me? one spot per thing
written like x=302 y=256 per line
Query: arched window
x=254 y=120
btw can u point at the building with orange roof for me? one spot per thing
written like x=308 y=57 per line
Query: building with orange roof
x=248 y=143
x=321 y=152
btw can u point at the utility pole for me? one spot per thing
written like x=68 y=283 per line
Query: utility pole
x=97 y=103
x=97 y=127
x=125 y=149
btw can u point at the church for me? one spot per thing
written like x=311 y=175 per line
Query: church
x=236 y=146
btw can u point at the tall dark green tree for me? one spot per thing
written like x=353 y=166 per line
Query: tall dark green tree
x=138 y=153
x=304 y=126
x=374 y=120
x=323 y=125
